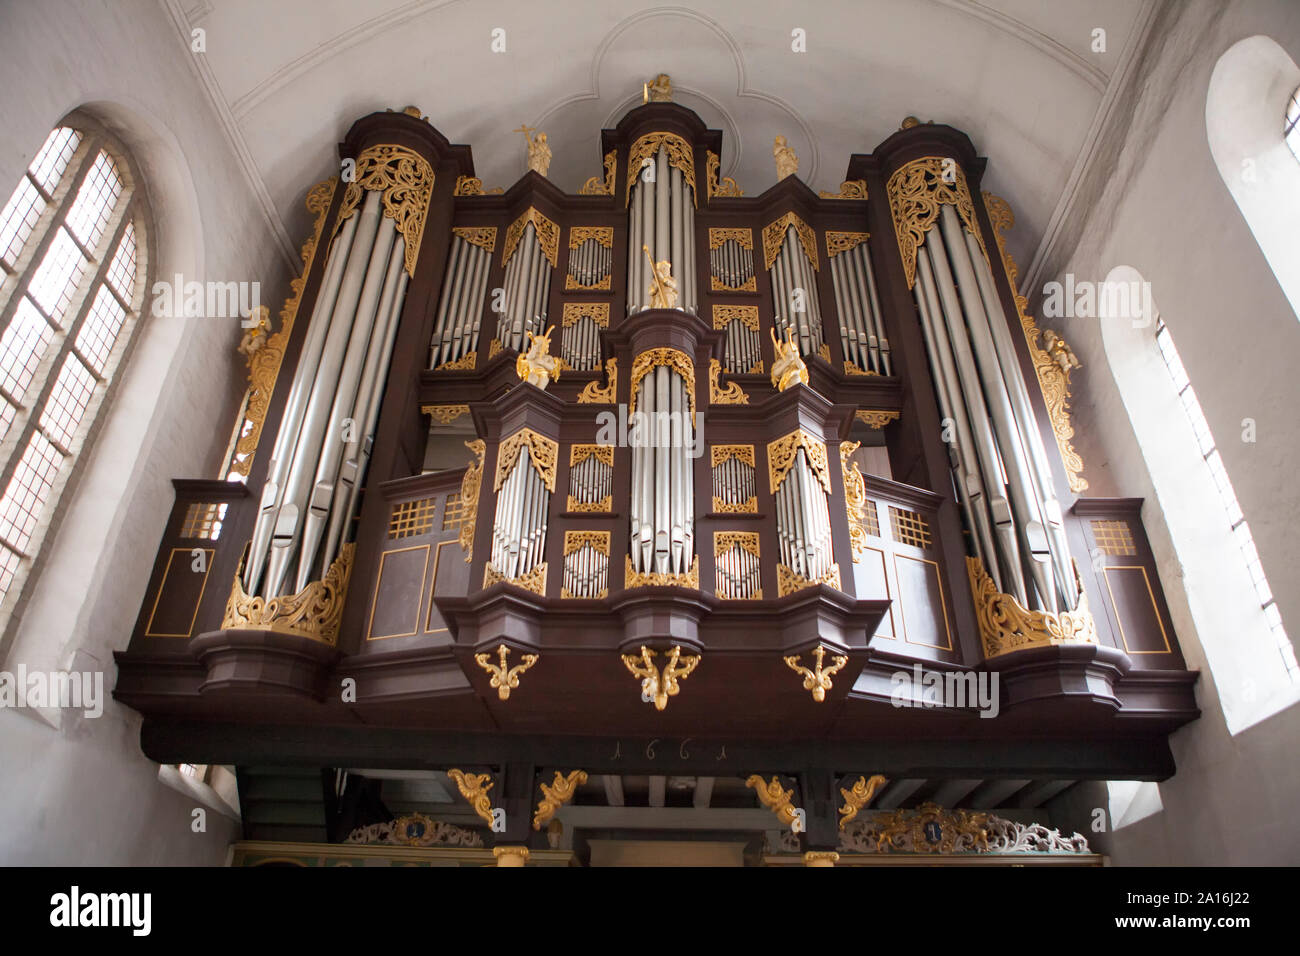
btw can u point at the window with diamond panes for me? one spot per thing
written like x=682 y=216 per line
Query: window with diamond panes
x=69 y=298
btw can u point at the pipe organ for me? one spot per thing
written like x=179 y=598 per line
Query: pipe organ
x=664 y=519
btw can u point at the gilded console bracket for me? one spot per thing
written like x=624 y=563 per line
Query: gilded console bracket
x=315 y=612
x=817 y=678
x=775 y=797
x=474 y=788
x=858 y=796
x=504 y=677
x=560 y=792
x=656 y=685
x=1006 y=626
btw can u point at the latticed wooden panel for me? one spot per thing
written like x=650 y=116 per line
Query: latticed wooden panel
x=909 y=527
x=412 y=517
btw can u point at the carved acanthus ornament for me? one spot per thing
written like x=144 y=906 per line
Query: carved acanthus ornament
x=578 y=454
x=541 y=450
x=653 y=579
x=415 y=829
x=916 y=191
x=931 y=829
x=788 y=366
x=817 y=678
x=469 y=492
x=595 y=186
x=405 y=179
x=444 y=414
x=774 y=238
x=724 y=541
x=504 y=677
x=720 y=187
x=264 y=362
x=656 y=685
x=858 y=796
x=463 y=364
x=472 y=186
x=593 y=393
x=1006 y=626
x=746 y=315
x=837 y=242
x=732 y=394
x=849 y=189
x=575 y=541
x=1053 y=376
x=315 y=612
x=781 y=457
x=675 y=359
x=485 y=237
x=534 y=580
x=548 y=236
x=855 y=497
x=876 y=418
x=775 y=797
x=788 y=582
x=598 y=312
x=680 y=155
x=474 y=788
x=560 y=792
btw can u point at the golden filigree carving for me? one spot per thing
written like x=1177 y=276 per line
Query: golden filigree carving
x=781 y=457
x=315 y=612
x=723 y=187
x=472 y=186
x=560 y=792
x=653 y=579
x=931 y=829
x=470 y=485
x=720 y=453
x=824 y=353
x=855 y=497
x=264 y=362
x=595 y=186
x=405 y=179
x=747 y=507
x=717 y=285
x=731 y=394
x=495 y=348
x=746 y=315
x=444 y=414
x=788 y=366
x=485 y=237
x=849 y=189
x=541 y=450
x=774 y=238
x=602 y=453
x=1006 y=626
x=504 y=677
x=680 y=155
x=837 y=242
x=537 y=366
x=724 y=541
x=657 y=685
x=916 y=191
x=742 y=237
x=474 y=788
x=817 y=678
x=874 y=418
x=598 y=312
x=534 y=580
x=788 y=582
x=593 y=393
x=858 y=796
x=604 y=505
x=604 y=235
x=1053 y=376
x=548 y=236
x=775 y=797
x=675 y=359
x=851 y=369
x=577 y=540
x=463 y=364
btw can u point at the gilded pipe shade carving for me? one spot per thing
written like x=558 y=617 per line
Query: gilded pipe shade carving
x=405 y=179
x=916 y=191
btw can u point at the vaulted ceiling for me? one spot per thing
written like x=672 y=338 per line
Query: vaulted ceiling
x=1019 y=76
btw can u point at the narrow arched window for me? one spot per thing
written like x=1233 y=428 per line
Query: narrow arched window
x=71 y=285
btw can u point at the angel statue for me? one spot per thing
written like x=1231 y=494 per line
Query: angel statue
x=663 y=287
x=658 y=90
x=538 y=366
x=257 y=328
x=788 y=367
x=1059 y=352
x=787 y=163
x=539 y=152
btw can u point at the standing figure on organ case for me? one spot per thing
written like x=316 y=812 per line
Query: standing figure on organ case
x=787 y=163
x=663 y=287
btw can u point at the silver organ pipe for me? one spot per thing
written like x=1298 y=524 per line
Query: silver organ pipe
x=460 y=309
x=580 y=344
x=860 y=326
x=803 y=521
x=792 y=271
x=590 y=263
x=519 y=529
x=738 y=573
x=741 y=344
x=663 y=500
x=662 y=217
x=586 y=572
x=527 y=285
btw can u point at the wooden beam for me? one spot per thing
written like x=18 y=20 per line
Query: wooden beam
x=703 y=792
x=613 y=789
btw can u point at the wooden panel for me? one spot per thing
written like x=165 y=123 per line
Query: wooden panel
x=179 y=594
x=924 y=612
x=1131 y=596
x=399 y=589
x=450 y=577
x=871 y=579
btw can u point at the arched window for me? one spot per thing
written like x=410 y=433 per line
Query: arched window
x=71 y=288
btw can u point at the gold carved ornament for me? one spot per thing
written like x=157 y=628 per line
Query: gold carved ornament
x=911 y=831
x=504 y=677
x=720 y=453
x=656 y=685
x=774 y=239
x=855 y=497
x=548 y=236
x=1053 y=377
x=653 y=579
x=775 y=797
x=849 y=189
x=680 y=155
x=788 y=367
x=916 y=191
x=675 y=359
x=746 y=315
x=1006 y=626
x=495 y=348
x=594 y=394
x=602 y=453
x=406 y=181
x=444 y=414
x=601 y=234
x=595 y=186
x=560 y=792
x=485 y=237
x=578 y=454
x=598 y=312
x=741 y=237
x=732 y=394
x=534 y=580
x=781 y=457
x=315 y=612
x=824 y=353
x=463 y=364
x=877 y=419
x=473 y=186
x=817 y=678
x=474 y=788
x=788 y=582
x=469 y=493
x=724 y=541
x=859 y=796
x=264 y=362
x=541 y=449
x=851 y=369
x=837 y=242
x=575 y=541
x=723 y=187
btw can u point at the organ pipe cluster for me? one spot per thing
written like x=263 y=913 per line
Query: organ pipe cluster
x=591 y=264
x=663 y=218
x=999 y=466
x=527 y=284
x=738 y=574
x=732 y=265
x=741 y=345
x=324 y=440
x=861 y=332
x=803 y=524
x=519 y=531
x=591 y=482
x=586 y=572
x=663 y=497
x=733 y=486
x=794 y=295
x=580 y=344
x=460 y=311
